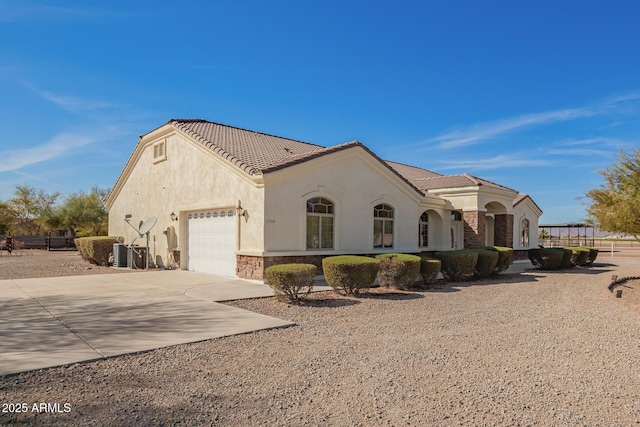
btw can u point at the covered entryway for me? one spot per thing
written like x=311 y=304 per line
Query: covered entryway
x=211 y=242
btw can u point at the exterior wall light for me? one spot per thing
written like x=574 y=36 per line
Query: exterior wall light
x=174 y=217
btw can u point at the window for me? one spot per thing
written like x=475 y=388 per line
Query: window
x=383 y=226
x=524 y=233
x=456 y=216
x=159 y=152
x=423 y=230
x=320 y=219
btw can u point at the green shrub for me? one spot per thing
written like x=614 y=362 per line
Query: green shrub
x=398 y=271
x=580 y=255
x=593 y=254
x=293 y=281
x=486 y=264
x=456 y=265
x=567 y=257
x=97 y=250
x=429 y=269
x=505 y=258
x=546 y=258
x=350 y=274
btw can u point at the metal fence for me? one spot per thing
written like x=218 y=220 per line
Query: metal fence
x=11 y=243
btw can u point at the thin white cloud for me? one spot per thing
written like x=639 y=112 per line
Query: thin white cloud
x=497 y=162
x=69 y=103
x=485 y=131
x=24 y=10
x=585 y=152
x=62 y=144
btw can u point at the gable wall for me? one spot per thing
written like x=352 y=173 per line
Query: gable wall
x=355 y=182
x=191 y=178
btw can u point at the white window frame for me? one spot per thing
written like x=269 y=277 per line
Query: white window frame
x=422 y=224
x=320 y=215
x=385 y=222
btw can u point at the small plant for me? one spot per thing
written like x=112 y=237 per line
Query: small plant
x=486 y=264
x=456 y=265
x=398 y=271
x=291 y=281
x=429 y=269
x=350 y=274
x=546 y=258
x=97 y=250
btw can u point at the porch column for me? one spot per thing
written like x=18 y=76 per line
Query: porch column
x=474 y=228
x=504 y=230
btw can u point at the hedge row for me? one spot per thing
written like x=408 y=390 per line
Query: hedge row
x=97 y=250
x=480 y=262
x=567 y=257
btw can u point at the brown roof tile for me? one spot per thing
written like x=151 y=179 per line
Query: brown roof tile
x=257 y=153
x=253 y=152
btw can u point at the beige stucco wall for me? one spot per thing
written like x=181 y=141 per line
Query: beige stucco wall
x=355 y=182
x=525 y=209
x=191 y=178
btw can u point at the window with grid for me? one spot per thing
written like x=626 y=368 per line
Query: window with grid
x=320 y=220
x=383 y=226
x=423 y=230
x=524 y=233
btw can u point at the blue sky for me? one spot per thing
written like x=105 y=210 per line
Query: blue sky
x=536 y=96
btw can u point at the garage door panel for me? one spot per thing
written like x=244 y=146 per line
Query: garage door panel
x=211 y=242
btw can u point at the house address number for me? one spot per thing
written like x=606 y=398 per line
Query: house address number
x=270 y=221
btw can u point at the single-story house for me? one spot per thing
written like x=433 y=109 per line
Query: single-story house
x=231 y=201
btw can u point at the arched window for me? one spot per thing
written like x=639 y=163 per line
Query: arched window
x=423 y=230
x=524 y=233
x=319 y=223
x=383 y=226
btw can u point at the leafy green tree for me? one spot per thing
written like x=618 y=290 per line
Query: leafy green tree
x=25 y=210
x=615 y=206
x=82 y=213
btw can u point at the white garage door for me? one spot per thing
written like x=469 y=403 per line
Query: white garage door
x=211 y=242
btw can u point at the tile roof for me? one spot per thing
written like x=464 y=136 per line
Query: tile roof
x=259 y=153
x=411 y=172
x=427 y=180
x=253 y=152
x=522 y=197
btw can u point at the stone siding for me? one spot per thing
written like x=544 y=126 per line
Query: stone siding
x=503 y=233
x=474 y=228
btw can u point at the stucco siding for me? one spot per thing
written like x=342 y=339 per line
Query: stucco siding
x=355 y=183
x=191 y=178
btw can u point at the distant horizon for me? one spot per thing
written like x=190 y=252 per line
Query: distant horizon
x=535 y=97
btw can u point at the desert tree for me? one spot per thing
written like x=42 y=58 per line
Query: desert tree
x=25 y=210
x=615 y=206
x=82 y=213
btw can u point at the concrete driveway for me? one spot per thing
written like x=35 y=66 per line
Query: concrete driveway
x=62 y=320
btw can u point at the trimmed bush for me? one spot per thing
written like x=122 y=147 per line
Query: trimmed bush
x=456 y=265
x=97 y=250
x=505 y=258
x=350 y=274
x=567 y=257
x=398 y=271
x=486 y=264
x=580 y=255
x=429 y=269
x=546 y=258
x=292 y=281
x=593 y=254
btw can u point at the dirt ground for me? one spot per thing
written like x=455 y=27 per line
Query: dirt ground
x=23 y=264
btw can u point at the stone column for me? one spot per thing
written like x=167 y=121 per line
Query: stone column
x=474 y=228
x=504 y=230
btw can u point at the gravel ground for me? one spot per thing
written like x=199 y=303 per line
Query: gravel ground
x=40 y=263
x=536 y=348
